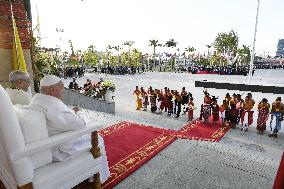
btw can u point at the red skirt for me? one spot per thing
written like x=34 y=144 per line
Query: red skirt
x=250 y=117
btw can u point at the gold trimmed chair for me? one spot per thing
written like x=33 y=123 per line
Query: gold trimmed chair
x=26 y=162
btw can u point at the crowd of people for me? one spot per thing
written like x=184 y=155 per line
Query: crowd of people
x=233 y=110
x=89 y=89
x=221 y=70
x=122 y=70
x=171 y=101
x=73 y=71
x=269 y=66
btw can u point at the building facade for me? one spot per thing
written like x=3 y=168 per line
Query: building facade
x=280 y=48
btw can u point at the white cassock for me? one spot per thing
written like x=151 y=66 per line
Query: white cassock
x=59 y=119
x=18 y=96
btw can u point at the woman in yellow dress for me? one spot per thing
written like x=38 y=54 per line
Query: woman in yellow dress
x=138 y=94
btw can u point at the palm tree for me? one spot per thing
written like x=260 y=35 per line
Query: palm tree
x=72 y=48
x=117 y=48
x=129 y=45
x=91 y=48
x=154 y=43
x=171 y=44
x=189 y=49
x=208 y=52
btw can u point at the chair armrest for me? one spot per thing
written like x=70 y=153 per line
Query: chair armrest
x=55 y=140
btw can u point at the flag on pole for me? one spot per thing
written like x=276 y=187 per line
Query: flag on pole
x=18 y=55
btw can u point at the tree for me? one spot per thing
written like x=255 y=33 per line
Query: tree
x=129 y=45
x=91 y=48
x=189 y=49
x=72 y=48
x=46 y=60
x=136 y=57
x=154 y=43
x=171 y=44
x=91 y=58
x=226 y=44
x=243 y=54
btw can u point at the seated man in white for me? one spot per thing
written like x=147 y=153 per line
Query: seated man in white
x=20 y=84
x=60 y=118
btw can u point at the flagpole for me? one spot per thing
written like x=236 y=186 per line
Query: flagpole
x=254 y=40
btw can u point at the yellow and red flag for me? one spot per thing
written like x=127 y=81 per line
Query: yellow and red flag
x=18 y=55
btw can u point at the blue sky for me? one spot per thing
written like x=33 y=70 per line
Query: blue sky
x=190 y=22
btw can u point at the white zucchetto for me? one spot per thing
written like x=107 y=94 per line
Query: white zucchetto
x=49 y=80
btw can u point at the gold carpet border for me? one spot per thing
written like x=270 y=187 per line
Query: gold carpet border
x=114 y=128
x=220 y=132
x=188 y=127
x=214 y=137
x=136 y=157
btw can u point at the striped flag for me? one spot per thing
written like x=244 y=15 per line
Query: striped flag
x=18 y=55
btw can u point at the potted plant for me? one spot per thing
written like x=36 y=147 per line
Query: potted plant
x=107 y=89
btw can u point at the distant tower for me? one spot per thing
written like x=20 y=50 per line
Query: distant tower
x=280 y=48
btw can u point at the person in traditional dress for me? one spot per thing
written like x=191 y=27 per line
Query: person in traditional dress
x=177 y=103
x=165 y=101
x=233 y=115
x=215 y=111
x=152 y=96
x=145 y=100
x=205 y=107
x=184 y=99
x=228 y=98
x=227 y=106
x=60 y=119
x=160 y=100
x=137 y=93
x=239 y=106
x=277 y=113
x=190 y=109
x=19 y=91
x=263 y=113
x=247 y=114
x=170 y=102
x=233 y=100
x=222 y=109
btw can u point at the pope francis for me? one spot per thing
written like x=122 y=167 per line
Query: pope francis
x=60 y=118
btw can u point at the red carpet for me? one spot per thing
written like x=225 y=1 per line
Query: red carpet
x=279 y=180
x=197 y=130
x=129 y=146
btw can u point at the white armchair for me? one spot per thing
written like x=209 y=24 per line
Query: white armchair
x=27 y=165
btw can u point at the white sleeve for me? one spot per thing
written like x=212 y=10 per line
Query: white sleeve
x=65 y=119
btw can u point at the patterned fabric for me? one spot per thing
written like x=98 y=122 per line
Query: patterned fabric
x=190 y=114
x=206 y=111
x=261 y=120
x=215 y=112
